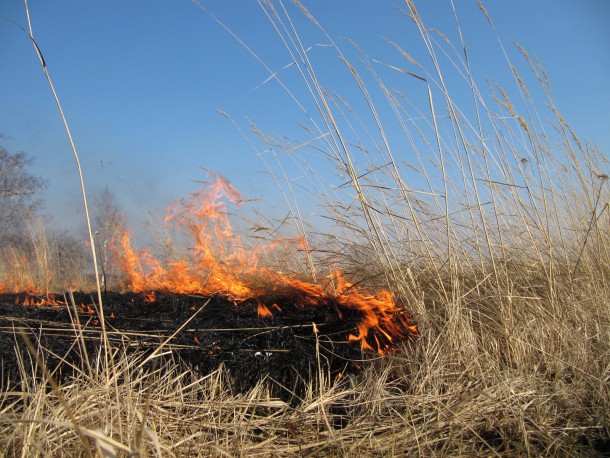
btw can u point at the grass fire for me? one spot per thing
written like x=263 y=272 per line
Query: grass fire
x=428 y=276
x=217 y=262
x=236 y=309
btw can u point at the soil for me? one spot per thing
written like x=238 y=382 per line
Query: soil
x=288 y=347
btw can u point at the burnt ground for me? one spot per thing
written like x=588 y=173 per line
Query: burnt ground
x=283 y=347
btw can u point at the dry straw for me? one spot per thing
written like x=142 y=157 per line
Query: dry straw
x=494 y=229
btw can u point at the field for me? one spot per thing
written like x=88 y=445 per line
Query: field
x=493 y=234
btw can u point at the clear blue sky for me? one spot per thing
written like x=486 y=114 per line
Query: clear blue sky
x=141 y=83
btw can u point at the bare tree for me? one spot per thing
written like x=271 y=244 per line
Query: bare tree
x=18 y=190
x=18 y=206
x=109 y=224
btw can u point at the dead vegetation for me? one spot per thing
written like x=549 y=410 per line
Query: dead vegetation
x=494 y=229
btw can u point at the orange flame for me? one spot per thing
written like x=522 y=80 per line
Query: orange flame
x=31 y=299
x=218 y=262
x=263 y=310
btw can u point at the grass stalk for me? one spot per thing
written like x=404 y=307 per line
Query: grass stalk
x=80 y=175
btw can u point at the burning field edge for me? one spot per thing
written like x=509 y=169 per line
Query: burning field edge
x=288 y=346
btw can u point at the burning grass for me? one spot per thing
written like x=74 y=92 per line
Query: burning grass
x=204 y=332
x=464 y=388
x=499 y=248
x=217 y=262
x=512 y=364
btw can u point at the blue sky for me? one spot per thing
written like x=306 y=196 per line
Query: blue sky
x=141 y=83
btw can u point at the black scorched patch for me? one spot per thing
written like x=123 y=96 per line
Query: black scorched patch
x=288 y=347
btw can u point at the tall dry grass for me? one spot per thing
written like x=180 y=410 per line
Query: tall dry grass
x=489 y=220
x=43 y=261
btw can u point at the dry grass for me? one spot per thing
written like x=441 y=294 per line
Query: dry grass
x=485 y=379
x=43 y=261
x=494 y=229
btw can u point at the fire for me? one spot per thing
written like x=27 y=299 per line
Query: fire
x=32 y=299
x=218 y=262
x=217 y=258
x=50 y=300
x=17 y=275
x=263 y=310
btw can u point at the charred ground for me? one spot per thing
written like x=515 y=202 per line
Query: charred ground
x=288 y=347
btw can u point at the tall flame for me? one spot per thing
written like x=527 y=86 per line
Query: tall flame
x=218 y=262
x=214 y=263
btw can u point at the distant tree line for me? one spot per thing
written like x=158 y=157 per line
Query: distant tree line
x=33 y=256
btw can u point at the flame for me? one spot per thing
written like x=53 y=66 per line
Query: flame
x=31 y=299
x=217 y=258
x=217 y=262
x=263 y=310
